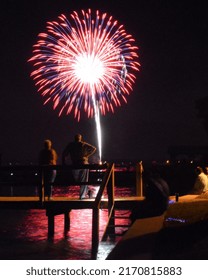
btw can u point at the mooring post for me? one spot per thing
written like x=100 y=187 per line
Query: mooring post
x=95 y=233
x=67 y=221
x=139 y=181
x=50 y=225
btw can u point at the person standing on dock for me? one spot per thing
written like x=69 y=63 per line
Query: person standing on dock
x=48 y=156
x=79 y=152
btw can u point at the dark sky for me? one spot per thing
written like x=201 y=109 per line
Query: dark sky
x=173 y=51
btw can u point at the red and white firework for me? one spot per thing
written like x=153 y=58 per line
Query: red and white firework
x=83 y=62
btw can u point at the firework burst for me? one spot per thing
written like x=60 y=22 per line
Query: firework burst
x=84 y=61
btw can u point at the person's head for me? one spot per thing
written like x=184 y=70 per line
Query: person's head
x=47 y=144
x=198 y=170
x=78 y=137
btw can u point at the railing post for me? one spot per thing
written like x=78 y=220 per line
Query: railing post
x=110 y=190
x=111 y=211
x=139 y=181
x=41 y=184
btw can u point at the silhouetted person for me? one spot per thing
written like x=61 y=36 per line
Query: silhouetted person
x=48 y=156
x=156 y=200
x=201 y=182
x=79 y=152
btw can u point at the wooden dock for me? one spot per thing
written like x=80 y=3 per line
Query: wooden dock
x=33 y=202
x=63 y=205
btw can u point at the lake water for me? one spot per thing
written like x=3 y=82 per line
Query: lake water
x=23 y=235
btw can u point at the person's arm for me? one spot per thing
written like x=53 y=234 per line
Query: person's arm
x=54 y=157
x=90 y=149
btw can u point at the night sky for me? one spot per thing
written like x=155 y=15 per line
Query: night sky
x=172 y=37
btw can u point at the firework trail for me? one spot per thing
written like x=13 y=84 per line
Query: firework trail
x=84 y=64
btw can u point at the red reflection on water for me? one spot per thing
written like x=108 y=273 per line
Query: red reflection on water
x=29 y=230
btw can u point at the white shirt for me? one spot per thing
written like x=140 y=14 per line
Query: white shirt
x=201 y=183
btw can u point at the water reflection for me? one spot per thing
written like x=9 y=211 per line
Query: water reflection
x=24 y=235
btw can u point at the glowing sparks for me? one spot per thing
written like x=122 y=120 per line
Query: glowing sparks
x=89 y=69
x=85 y=65
x=84 y=61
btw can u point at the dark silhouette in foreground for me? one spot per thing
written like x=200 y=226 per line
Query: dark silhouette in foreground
x=185 y=242
x=79 y=152
x=48 y=156
x=156 y=192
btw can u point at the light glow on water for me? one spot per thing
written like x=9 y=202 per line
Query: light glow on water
x=24 y=235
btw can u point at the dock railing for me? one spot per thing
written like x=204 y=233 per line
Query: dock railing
x=102 y=176
x=33 y=176
x=139 y=179
x=108 y=184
